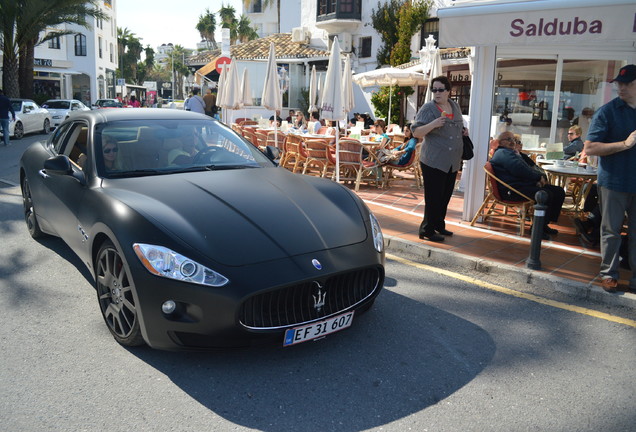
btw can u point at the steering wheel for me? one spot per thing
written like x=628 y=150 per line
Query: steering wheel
x=211 y=153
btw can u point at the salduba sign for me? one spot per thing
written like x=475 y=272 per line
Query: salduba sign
x=594 y=25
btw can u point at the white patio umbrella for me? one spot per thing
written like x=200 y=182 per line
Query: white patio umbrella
x=347 y=89
x=332 y=100
x=313 y=90
x=246 y=91
x=232 y=92
x=221 y=89
x=389 y=76
x=272 y=98
x=436 y=70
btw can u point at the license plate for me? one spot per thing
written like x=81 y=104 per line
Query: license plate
x=317 y=329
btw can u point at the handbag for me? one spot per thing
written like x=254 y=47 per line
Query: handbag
x=467 y=153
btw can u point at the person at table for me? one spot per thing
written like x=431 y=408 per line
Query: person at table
x=440 y=123
x=511 y=168
x=404 y=151
x=300 y=122
x=612 y=136
x=576 y=143
x=315 y=118
x=527 y=159
x=383 y=152
x=291 y=116
x=279 y=120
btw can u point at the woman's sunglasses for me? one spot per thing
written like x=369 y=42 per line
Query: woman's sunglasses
x=438 y=90
x=114 y=150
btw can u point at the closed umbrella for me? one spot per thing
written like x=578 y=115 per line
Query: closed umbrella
x=246 y=91
x=436 y=70
x=313 y=90
x=232 y=93
x=272 y=98
x=347 y=88
x=221 y=89
x=332 y=100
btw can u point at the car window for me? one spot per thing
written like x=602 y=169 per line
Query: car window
x=55 y=104
x=29 y=106
x=57 y=139
x=17 y=106
x=169 y=146
x=76 y=143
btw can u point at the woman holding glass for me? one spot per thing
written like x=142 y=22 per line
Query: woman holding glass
x=440 y=123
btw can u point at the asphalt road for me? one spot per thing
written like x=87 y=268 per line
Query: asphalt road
x=435 y=353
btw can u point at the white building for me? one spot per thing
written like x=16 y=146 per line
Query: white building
x=264 y=17
x=81 y=65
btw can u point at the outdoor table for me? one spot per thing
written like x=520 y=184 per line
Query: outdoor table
x=560 y=176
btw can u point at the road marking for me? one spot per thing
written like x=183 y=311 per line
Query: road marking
x=508 y=291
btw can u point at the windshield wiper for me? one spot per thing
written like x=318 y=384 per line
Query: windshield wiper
x=228 y=167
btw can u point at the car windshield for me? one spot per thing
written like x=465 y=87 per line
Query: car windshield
x=57 y=104
x=17 y=105
x=155 y=147
x=107 y=103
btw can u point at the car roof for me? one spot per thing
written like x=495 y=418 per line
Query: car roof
x=22 y=100
x=63 y=100
x=106 y=115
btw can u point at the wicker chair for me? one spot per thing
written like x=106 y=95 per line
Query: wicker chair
x=354 y=167
x=494 y=199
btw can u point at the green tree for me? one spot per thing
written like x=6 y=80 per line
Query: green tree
x=381 y=99
x=176 y=63
x=384 y=21
x=206 y=28
x=244 y=30
x=228 y=20
x=21 y=23
x=410 y=18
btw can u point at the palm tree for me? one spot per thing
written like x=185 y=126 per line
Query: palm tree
x=123 y=36
x=228 y=20
x=22 y=22
x=206 y=28
x=244 y=30
x=177 y=61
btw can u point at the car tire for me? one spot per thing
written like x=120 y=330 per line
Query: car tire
x=116 y=297
x=18 y=130
x=29 y=213
x=47 y=126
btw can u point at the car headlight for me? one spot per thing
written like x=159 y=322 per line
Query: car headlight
x=164 y=262
x=57 y=116
x=376 y=232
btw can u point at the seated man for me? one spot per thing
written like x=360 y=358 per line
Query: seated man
x=511 y=168
x=576 y=144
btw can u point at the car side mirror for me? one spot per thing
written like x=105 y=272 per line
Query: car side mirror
x=27 y=110
x=60 y=165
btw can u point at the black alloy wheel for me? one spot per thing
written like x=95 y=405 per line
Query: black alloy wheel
x=18 y=130
x=29 y=214
x=115 y=295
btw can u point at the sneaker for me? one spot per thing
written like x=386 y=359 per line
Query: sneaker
x=609 y=284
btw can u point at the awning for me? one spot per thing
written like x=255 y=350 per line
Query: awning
x=554 y=22
x=56 y=70
x=206 y=69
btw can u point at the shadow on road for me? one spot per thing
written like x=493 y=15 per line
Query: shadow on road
x=399 y=358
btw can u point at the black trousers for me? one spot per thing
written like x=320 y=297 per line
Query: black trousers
x=556 y=196
x=438 y=190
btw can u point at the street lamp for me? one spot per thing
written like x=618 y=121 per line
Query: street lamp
x=427 y=53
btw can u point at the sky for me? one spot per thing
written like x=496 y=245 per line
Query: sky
x=159 y=22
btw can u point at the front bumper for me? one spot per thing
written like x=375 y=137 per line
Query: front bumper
x=251 y=307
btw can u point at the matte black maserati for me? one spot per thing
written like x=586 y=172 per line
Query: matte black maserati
x=197 y=239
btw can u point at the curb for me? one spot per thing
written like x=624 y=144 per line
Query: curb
x=443 y=258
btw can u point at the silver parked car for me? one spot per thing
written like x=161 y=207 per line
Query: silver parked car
x=61 y=109
x=29 y=117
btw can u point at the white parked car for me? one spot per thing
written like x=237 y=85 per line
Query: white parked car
x=61 y=109
x=29 y=117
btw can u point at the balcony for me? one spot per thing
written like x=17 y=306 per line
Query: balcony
x=337 y=16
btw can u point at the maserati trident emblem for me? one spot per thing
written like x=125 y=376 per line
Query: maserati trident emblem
x=316 y=264
x=319 y=297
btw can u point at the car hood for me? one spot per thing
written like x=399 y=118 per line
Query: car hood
x=245 y=216
x=61 y=111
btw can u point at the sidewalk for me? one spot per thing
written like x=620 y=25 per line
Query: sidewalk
x=566 y=264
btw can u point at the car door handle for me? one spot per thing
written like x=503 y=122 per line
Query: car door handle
x=43 y=174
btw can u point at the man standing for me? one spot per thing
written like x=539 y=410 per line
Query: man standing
x=5 y=109
x=210 y=103
x=612 y=136
x=195 y=102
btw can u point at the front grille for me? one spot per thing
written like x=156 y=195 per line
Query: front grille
x=296 y=304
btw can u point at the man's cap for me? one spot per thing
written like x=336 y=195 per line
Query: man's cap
x=627 y=74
